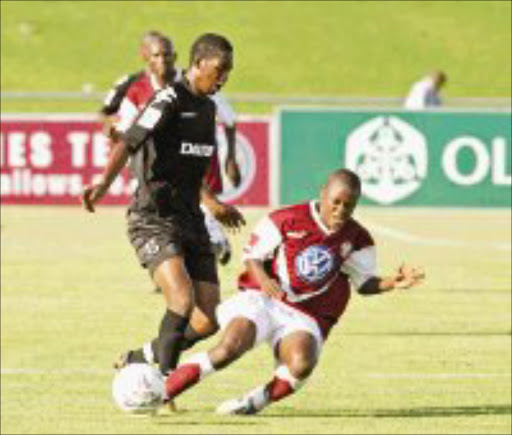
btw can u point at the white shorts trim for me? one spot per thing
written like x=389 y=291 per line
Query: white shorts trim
x=273 y=319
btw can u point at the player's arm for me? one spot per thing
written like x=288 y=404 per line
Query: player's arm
x=226 y=214
x=227 y=116
x=112 y=104
x=142 y=128
x=361 y=267
x=404 y=278
x=231 y=166
x=263 y=243
x=93 y=193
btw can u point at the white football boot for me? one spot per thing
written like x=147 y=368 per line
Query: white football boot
x=252 y=403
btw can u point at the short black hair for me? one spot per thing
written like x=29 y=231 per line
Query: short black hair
x=211 y=45
x=348 y=177
x=151 y=35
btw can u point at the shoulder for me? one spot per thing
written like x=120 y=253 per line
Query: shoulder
x=290 y=213
x=361 y=236
x=128 y=79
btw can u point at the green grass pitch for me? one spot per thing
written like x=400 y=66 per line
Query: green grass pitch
x=435 y=359
x=319 y=48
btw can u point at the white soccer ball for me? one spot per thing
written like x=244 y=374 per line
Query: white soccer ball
x=138 y=388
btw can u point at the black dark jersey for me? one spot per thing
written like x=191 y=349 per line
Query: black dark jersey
x=172 y=141
x=115 y=96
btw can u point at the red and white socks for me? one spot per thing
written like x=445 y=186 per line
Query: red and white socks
x=196 y=368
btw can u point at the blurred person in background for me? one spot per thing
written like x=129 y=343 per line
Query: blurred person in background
x=300 y=264
x=171 y=142
x=130 y=95
x=425 y=93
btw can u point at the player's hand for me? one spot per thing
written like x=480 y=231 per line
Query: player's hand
x=408 y=276
x=271 y=288
x=229 y=216
x=92 y=194
x=233 y=171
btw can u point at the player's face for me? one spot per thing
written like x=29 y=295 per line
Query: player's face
x=161 y=58
x=337 y=203
x=213 y=74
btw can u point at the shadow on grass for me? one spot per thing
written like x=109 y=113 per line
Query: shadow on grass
x=432 y=333
x=434 y=411
x=197 y=418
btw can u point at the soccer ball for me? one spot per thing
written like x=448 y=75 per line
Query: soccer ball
x=138 y=388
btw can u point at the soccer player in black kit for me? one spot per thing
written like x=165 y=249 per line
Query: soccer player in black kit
x=171 y=143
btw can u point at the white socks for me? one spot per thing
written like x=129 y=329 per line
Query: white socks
x=203 y=361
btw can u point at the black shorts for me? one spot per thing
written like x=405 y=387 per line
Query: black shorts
x=156 y=239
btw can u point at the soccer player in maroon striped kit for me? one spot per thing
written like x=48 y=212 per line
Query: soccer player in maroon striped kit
x=301 y=263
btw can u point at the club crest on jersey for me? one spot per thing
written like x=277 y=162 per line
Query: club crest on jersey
x=314 y=263
x=151 y=247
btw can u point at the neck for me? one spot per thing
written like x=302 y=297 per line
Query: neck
x=189 y=79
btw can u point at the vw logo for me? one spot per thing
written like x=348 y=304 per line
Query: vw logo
x=314 y=263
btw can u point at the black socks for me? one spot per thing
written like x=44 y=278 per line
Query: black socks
x=170 y=340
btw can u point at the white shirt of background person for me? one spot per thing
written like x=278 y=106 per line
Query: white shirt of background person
x=423 y=94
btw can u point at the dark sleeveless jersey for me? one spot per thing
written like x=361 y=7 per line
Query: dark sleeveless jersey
x=172 y=141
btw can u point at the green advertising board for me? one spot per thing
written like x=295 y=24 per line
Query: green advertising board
x=436 y=158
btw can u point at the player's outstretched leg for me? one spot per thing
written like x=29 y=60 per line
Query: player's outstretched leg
x=297 y=354
x=282 y=385
x=238 y=337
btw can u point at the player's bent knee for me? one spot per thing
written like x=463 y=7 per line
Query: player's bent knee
x=238 y=338
x=301 y=365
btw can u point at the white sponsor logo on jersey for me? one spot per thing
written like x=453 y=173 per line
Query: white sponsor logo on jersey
x=314 y=263
x=188 y=114
x=296 y=234
x=390 y=156
x=200 y=150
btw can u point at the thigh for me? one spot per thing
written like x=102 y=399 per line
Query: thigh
x=154 y=239
x=249 y=305
x=292 y=323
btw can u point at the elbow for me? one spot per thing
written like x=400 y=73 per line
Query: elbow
x=369 y=287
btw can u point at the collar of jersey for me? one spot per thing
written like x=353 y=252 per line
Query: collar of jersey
x=313 y=206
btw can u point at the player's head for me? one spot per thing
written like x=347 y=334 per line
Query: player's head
x=211 y=60
x=158 y=52
x=439 y=78
x=145 y=40
x=338 y=198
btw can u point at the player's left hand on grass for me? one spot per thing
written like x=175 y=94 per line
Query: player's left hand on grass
x=408 y=276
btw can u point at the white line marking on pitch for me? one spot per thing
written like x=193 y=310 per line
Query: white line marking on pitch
x=91 y=371
x=77 y=371
x=412 y=238
x=437 y=375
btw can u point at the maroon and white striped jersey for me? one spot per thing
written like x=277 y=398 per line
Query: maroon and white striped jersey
x=314 y=266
